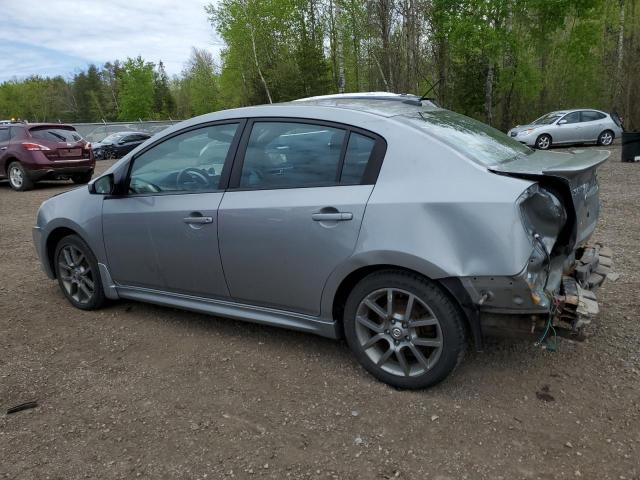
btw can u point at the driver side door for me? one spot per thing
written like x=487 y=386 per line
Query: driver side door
x=161 y=232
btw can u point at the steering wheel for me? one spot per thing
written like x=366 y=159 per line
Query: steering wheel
x=190 y=176
x=139 y=185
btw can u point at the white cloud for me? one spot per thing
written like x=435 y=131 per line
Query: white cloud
x=65 y=32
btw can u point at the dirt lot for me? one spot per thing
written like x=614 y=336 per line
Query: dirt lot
x=141 y=391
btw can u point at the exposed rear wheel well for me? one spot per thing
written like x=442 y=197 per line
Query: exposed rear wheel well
x=52 y=240
x=354 y=277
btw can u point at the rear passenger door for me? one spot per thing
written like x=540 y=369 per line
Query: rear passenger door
x=293 y=210
x=591 y=124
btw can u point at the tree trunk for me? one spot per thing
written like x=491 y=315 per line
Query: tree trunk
x=488 y=94
x=340 y=52
x=255 y=58
x=620 y=60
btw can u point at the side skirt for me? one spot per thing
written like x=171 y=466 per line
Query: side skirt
x=237 y=311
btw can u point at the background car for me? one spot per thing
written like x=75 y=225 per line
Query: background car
x=404 y=227
x=569 y=127
x=41 y=151
x=118 y=144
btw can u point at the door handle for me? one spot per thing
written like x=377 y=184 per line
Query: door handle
x=3 y=148
x=332 y=217
x=198 y=220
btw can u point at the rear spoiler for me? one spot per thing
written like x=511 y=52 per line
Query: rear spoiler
x=552 y=163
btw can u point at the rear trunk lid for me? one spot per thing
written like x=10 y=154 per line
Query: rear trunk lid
x=63 y=142
x=573 y=174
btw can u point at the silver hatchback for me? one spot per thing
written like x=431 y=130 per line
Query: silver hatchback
x=405 y=228
x=569 y=127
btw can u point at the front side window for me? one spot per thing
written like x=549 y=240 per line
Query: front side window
x=572 y=117
x=188 y=162
x=4 y=134
x=291 y=155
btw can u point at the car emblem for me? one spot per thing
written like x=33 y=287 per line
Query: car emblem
x=68 y=144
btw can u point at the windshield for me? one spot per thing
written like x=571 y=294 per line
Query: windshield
x=547 y=119
x=478 y=141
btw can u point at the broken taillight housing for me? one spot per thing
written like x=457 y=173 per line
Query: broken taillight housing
x=542 y=214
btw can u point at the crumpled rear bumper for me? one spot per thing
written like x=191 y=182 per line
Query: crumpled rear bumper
x=576 y=303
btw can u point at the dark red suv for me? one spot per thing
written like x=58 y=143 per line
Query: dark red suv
x=39 y=151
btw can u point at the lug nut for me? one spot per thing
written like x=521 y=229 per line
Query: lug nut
x=404 y=324
x=387 y=332
x=397 y=342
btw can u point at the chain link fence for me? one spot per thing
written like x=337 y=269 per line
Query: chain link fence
x=96 y=132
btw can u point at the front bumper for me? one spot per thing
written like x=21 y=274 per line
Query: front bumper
x=526 y=138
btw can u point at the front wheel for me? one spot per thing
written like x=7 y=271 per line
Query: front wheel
x=605 y=138
x=78 y=275
x=404 y=329
x=543 y=142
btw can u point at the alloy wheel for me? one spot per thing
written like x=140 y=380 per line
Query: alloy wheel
x=544 y=143
x=606 y=138
x=16 y=177
x=76 y=274
x=398 y=332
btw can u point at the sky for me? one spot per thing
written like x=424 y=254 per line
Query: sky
x=63 y=37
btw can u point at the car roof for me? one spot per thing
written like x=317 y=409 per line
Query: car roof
x=384 y=104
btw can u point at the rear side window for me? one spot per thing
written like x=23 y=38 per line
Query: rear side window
x=55 y=134
x=591 y=116
x=4 y=134
x=359 y=150
x=291 y=155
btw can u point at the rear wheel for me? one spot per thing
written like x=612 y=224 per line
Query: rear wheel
x=606 y=138
x=78 y=275
x=82 y=177
x=18 y=178
x=403 y=329
x=543 y=142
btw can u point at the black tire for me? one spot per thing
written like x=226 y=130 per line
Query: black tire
x=544 y=142
x=451 y=329
x=66 y=275
x=25 y=183
x=606 y=138
x=81 y=178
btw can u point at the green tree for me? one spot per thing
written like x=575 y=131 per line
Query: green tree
x=136 y=92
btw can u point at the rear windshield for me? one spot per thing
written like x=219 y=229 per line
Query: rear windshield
x=56 y=134
x=474 y=139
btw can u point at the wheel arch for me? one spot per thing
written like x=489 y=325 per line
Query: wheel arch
x=8 y=162
x=52 y=241
x=450 y=286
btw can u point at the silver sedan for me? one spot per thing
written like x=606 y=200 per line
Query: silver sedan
x=403 y=227
x=569 y=127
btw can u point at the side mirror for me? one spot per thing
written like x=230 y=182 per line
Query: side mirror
x=120 y=142
x=103 y=185
x=562 y=122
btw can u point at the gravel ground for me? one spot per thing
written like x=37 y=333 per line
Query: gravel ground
x=142 y=391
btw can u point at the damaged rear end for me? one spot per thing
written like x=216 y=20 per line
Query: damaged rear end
x=559 y=212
